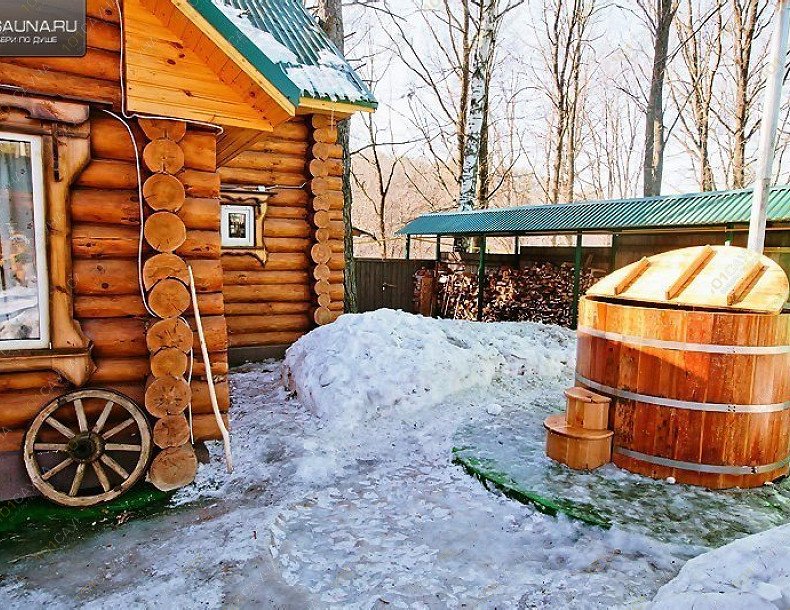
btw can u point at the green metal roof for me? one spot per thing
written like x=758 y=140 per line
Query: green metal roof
x=718 y=208
x=286 y=45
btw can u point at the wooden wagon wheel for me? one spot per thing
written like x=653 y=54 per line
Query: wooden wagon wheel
x=74 y=463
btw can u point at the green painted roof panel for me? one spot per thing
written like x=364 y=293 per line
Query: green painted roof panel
x=697 y=209
x=283 y=40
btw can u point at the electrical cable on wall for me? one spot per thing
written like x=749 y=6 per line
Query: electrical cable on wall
x=220 y=130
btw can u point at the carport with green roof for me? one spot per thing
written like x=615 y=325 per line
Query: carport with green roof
x=727 y=211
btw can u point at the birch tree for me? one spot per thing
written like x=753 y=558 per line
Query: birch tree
x=476 y=121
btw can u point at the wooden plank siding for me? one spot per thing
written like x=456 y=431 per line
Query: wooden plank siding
x=162 y=73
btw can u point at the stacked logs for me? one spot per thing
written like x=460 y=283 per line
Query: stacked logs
x=327 y=253
x=105 y=214
x=540 y=292
x=268 y=299
x=165 y=279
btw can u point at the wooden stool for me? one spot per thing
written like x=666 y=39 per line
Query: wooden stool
x=587 y=409
x=580 y=438
x=576 y=447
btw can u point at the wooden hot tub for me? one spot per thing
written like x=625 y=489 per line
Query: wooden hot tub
x=692 y=348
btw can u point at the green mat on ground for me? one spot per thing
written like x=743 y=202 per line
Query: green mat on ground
x=485 y=471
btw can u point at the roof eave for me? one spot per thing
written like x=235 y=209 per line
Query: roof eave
x=281 y=88
x=318 y=104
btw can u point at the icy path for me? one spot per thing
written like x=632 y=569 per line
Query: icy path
x=367 y=514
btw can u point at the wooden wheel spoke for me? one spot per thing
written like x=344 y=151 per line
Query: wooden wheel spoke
x=115 y=466
x=102 y=476
x=119 y=428
x=56 y=469
x=82 y=421
x=66 y=467
x=105 y=414
x=122 y=447
x=64 y=430
x=77 y=482
x=50 y=447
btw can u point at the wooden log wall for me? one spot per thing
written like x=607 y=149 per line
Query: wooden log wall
x=166 y=282
x=326 y=186
x=96 y=76
x=106 y=228
x=278 y=302
x=105 y=215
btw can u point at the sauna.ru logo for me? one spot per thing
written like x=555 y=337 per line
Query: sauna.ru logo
x=42 y=28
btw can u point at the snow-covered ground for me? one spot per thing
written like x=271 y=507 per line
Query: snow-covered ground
x=749 y=574
x=344 y=494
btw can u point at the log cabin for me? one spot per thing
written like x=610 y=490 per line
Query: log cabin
x=170 y=194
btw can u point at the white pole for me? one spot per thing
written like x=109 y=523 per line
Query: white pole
x=770 y=122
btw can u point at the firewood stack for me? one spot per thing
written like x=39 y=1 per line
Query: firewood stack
x=326 y=169
x=166 y=279
x=541 y=292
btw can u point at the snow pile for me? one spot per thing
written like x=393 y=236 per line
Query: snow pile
x=367 y=364
x=378 y=378
x=748 y=574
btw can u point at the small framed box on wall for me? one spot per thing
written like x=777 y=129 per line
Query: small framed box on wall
x=238 y=226
x=242 y=222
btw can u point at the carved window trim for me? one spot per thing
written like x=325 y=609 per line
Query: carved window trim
x=64 y=130
x=258 y=202
x=39 y=243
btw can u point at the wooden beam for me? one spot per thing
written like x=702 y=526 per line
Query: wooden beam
x=690 y=272
x=636 y=271
x=341 y=110
x=746 y=282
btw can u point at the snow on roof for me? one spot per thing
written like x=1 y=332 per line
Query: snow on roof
x=290 y=37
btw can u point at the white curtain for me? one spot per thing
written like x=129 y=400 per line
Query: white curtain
x=18 y=281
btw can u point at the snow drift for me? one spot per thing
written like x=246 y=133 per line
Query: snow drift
x=749 y=574
x=374 y=380
x=367 y=363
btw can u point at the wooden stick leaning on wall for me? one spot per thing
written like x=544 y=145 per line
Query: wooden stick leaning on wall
x=212 y=390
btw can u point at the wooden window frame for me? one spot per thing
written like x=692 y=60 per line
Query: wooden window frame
x=257 y=202
x=40 y=239
x=64 y=131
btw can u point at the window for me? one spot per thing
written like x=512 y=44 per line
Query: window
x=24 y=293
x=238 y=226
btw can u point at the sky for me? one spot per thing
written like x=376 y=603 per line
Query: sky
x=616 y=30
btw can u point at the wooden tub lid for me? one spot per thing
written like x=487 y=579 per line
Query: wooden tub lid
x=717 y=277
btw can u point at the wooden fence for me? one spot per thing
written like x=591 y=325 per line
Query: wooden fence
x=387 y=284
